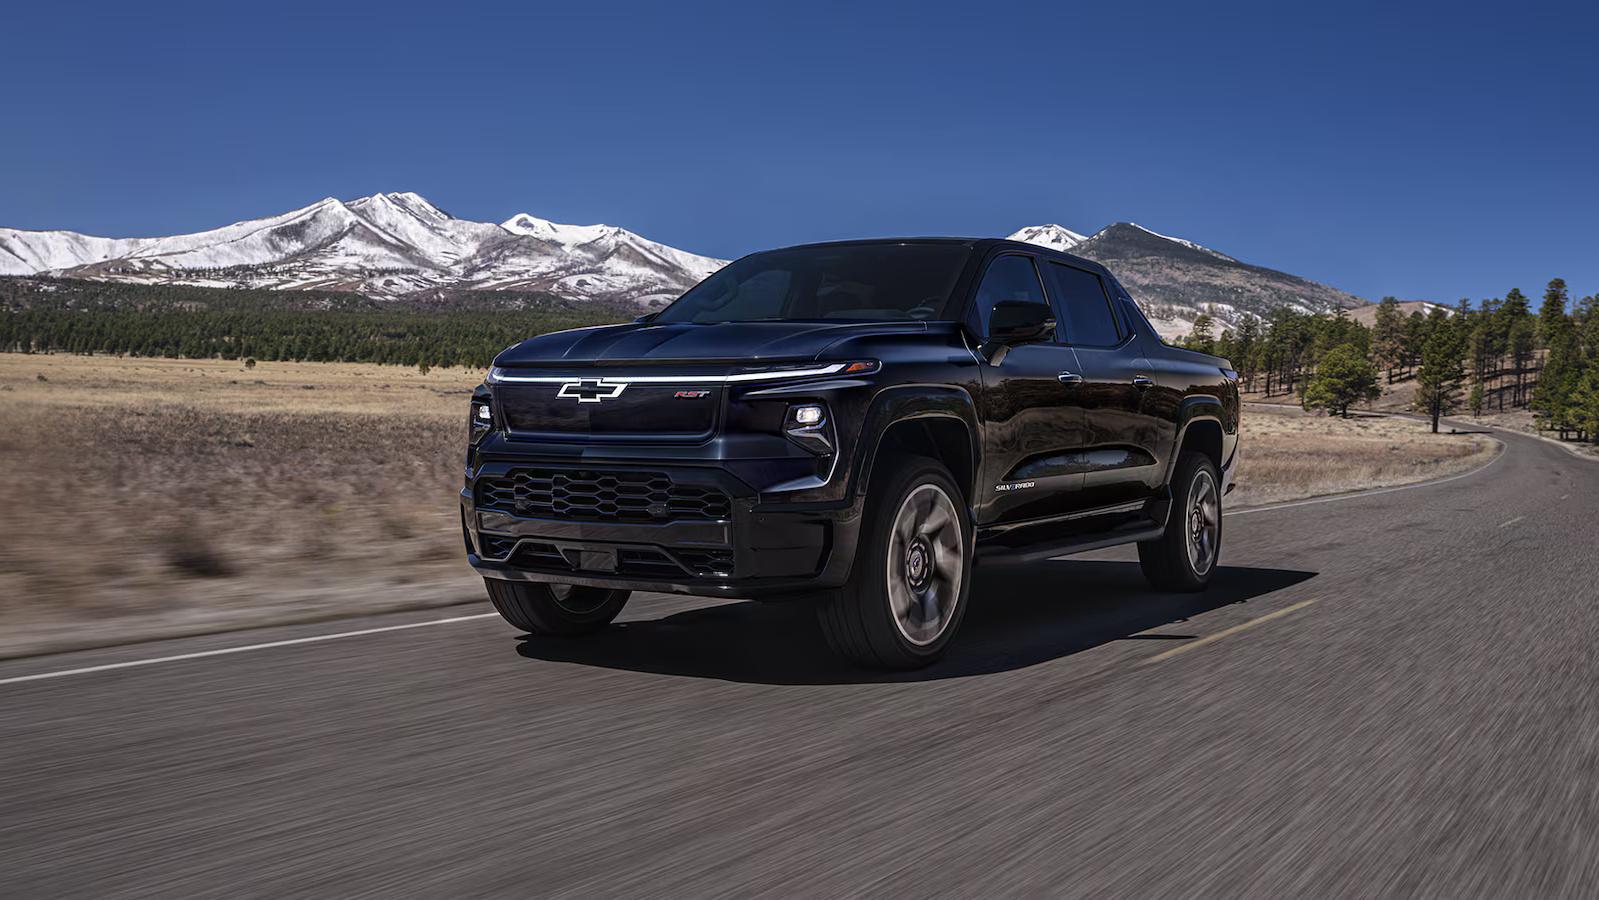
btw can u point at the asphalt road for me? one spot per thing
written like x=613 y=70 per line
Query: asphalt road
x=1395 y=694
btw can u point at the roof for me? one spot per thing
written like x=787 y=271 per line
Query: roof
x=982 y=245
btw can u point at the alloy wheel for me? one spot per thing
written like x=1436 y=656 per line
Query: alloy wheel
x=926 y=561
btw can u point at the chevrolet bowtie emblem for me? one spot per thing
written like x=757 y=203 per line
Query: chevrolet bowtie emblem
x=592 y=390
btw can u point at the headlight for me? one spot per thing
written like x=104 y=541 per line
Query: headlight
x=805 y=370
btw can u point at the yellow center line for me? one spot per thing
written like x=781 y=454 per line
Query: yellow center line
x=1228 y=632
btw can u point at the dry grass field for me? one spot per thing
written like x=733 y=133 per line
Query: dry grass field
x=150 y=498
x=1289 y=454
x=158 y=497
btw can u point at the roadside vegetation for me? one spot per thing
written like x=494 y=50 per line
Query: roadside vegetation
x=1289 y=454
x=1495 y=358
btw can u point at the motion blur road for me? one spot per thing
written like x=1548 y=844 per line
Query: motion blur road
x=1391 y=694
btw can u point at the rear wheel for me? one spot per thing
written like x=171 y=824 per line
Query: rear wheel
x=554 y=609
x=908 y=587
x=1184 y=557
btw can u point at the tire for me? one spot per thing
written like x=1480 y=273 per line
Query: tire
x=554 y=609
x=914 y=556
x=1185 y=557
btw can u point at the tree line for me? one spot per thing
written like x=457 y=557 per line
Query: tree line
x=463 y=328
x=1490 y=356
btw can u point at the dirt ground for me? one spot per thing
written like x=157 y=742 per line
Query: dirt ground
x=154 y=498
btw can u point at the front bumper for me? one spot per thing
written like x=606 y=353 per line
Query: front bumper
x=756 y=550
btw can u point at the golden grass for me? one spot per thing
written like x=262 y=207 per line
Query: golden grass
x=150 y=498
x=158 y=497
x=1289 y=455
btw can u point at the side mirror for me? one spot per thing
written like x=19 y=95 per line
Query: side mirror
x=1019 y=322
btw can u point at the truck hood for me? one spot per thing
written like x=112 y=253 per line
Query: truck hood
x=727 y=342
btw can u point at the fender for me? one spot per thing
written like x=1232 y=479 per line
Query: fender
x=908 y=403
x=1201 y=407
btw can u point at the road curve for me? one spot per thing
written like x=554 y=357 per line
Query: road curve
x=1392 y=694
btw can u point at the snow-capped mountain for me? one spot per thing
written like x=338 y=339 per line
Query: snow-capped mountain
x=1054 y=237
x=399 y=243
x=1174 y=280
x=385 y=244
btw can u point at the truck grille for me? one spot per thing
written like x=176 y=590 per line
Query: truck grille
x=600 y=496
x=685 y=411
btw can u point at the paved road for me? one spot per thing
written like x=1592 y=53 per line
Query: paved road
x=1394 y=694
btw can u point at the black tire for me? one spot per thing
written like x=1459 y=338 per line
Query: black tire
x=931 y=570
x=1171 y=562
x=549 y=609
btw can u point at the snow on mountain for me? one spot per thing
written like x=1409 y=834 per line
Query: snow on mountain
x=385 y=244
x=398 y=243
x=1052 y=236
x=28 y=252
x=1174 y=280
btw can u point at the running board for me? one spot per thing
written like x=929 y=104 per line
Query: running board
x=1082 y=543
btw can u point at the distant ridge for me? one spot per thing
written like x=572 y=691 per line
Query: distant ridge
x=1174 y=280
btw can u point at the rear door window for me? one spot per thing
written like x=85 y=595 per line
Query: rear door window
x=1083 y=306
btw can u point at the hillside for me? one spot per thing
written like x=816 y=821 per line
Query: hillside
x=1174 y=279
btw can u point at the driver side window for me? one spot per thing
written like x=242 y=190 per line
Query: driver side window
x=1012 y=278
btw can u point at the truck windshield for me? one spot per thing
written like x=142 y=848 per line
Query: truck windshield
x=893 y=282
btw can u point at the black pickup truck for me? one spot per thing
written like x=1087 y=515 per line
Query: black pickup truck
x=858 y=424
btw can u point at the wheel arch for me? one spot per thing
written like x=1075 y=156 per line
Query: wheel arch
x=940 y=422
x=1201 y=427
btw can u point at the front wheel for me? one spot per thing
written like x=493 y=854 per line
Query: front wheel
x=907 y=590
x=554 y=609
x=1184 y=558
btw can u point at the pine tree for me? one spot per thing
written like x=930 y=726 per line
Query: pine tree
x=1412 y=340
x=1388 y=335
x=1585 y=405
x=1245 y=349
x=1552 y=314
x=1562 y=369
x=1344 y=377
x=1523 y=342
x=1201 y=337
x=1439 y=378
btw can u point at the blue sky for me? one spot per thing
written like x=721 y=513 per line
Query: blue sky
x=1424 y=150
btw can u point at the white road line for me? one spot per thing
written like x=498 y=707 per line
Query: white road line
x=244 y=649
x=1511 y=522
x=1371 y=493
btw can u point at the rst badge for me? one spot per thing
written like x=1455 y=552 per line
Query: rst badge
x=691 y=395
x=591 y=390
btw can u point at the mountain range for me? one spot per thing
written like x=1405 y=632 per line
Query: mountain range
x=383 y=245
x=395 y=244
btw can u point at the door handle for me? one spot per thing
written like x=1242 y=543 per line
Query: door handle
x=1069 y=378
x=1143 y=382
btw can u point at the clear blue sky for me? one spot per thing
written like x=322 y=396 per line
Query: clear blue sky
x=1431 y=151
